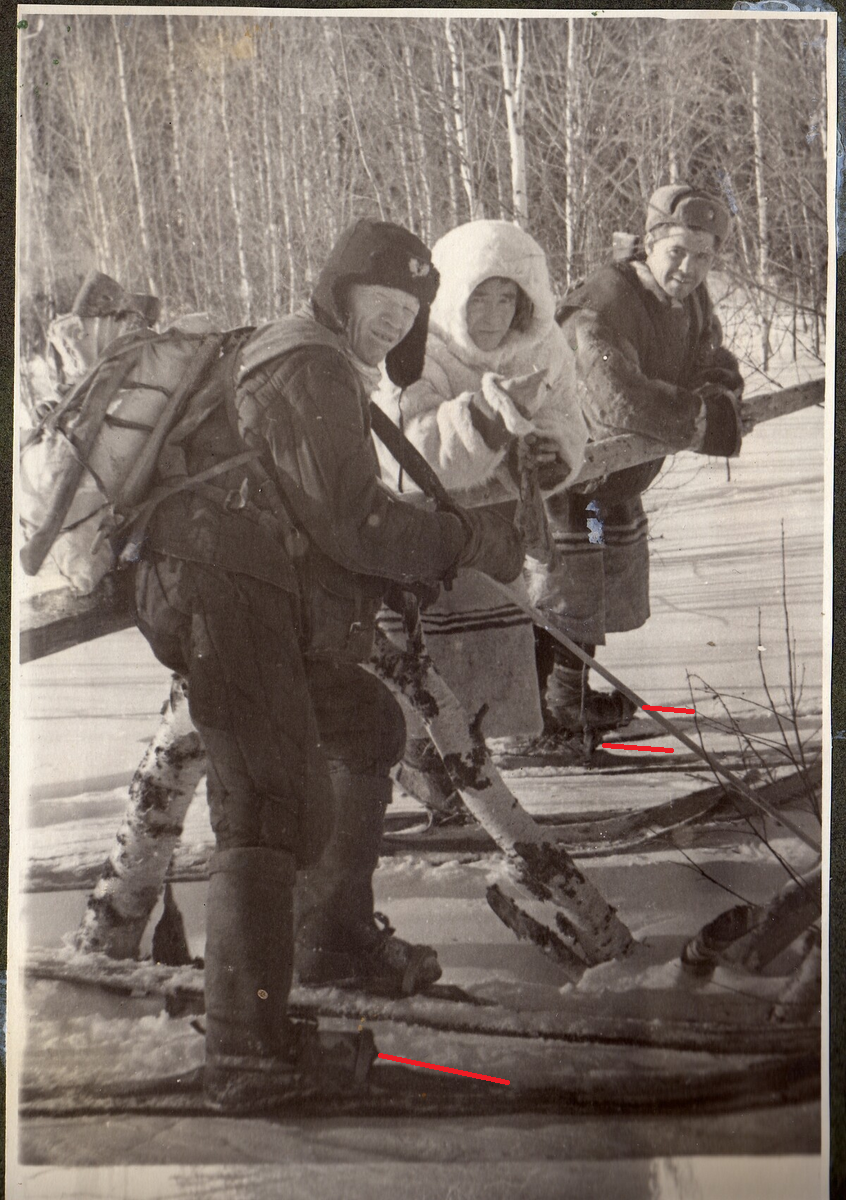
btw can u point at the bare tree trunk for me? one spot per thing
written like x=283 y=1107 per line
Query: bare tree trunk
x=542 y=869
x=244 y=288
x=266 y=187
x=176 y=135
x=143 y=230
x=331 y=144
x=221 y=242
x=357 y=130
x=452 y=182
x=422 y=173
x=514 y=91
x=161 y=790
x=503 y=204
x=91 y=194
x=286 y=225
x=399 y=125
x=570 y=102
x=760 y=190
x=32 y=221
x=460 y=121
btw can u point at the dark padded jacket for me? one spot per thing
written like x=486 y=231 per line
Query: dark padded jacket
x=300 y=404
x=639 y=360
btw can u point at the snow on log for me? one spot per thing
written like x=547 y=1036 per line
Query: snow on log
x=62 y=618
x=541 y=868
x=134 y=875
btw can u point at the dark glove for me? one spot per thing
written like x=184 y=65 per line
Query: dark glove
x=723 y=428
x=726 y=376
x=493 y=544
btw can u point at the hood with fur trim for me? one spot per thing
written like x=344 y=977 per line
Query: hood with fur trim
x=466 y=257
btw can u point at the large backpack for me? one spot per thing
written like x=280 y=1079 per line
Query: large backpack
x=89 y=471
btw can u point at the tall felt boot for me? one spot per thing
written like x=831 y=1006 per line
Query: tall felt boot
x=249 y=951
x=255 y=1057
x=340 y=940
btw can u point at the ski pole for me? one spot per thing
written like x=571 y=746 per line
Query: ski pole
x=547 y=621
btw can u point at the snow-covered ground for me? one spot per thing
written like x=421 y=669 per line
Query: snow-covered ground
x=86 y=715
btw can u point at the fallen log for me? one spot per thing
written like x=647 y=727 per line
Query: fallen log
x=751 y=936
x=632 y=1087
x=77 y=865
x=60 y=619
x=613 y=454
x=539 y=867
x=801 y=999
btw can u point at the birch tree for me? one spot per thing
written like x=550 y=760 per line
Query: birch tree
x=514 y=92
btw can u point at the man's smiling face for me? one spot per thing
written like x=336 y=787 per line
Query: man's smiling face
x=378 y=318
x=680 y=259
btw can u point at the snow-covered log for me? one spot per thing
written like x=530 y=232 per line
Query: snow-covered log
x=542 y=869
x=134 y=875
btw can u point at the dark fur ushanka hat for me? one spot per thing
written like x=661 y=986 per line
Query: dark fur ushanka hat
x=388 y=255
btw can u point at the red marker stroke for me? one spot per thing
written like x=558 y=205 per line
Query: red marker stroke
x=643 y=749
x=661 y=708
x=412 y=1062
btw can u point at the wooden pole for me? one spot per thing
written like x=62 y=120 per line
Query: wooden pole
x=62 y=619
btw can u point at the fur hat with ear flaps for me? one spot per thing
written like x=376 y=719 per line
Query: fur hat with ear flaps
x=388 y=255
x=681 y=204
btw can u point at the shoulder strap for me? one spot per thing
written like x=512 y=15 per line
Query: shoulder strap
x=409 y=457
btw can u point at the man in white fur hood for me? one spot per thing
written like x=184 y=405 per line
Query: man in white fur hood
x=497 y=369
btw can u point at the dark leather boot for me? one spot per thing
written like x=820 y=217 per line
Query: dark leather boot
x=339 y=940
x=571 y=706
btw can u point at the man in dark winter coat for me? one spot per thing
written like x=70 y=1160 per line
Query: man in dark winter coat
x=261 y=587
x=650 y=361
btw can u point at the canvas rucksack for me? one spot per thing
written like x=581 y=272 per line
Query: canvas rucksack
x=89 y=471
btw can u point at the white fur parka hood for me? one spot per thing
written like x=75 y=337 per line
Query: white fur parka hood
x=480 y=250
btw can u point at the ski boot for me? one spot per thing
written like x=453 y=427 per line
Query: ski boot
x=423 y=775
x=315 y=1063
x=576 y=718
x=373 y=959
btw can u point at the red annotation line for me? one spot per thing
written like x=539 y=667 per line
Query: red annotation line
x=646 y=749
x=661 y=708
x=412 y=1062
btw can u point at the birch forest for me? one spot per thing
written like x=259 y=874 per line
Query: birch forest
x=213 y=159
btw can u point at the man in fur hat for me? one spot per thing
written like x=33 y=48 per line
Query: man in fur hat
x=650 y=361
x=261 y=588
